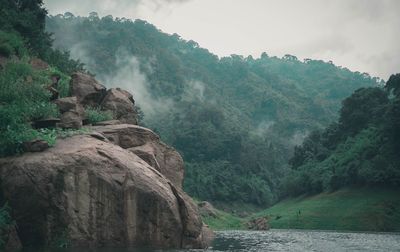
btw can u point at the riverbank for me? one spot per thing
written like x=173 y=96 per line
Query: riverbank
x=346 y=209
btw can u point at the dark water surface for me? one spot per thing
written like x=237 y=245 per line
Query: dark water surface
x=290 y=240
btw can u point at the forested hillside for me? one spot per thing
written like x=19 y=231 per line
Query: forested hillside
x=235 y=119
x=361 y=149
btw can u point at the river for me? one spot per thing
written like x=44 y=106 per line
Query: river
x=289 y=240
x=297 y=240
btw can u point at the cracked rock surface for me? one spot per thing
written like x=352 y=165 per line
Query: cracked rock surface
x=94 y=193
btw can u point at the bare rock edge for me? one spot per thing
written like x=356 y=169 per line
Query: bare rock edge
x=94 y=193
x=118 y=186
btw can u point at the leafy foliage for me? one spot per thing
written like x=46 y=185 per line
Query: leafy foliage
x=235 y=119
x=23 y=98
x=5 y=223
x=12 y=44
x=95 y=115
x=361 y=149
x=28 y=19
x=23 y=94
x=63 y=83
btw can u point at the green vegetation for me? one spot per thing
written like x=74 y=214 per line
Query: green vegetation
x=24 y=97
x=12 y=44
x=361 y=149
x=95 y=115
x=235 y=119
x=367 y=209
x=5 y=223
x=63 y=83
x=224 y=221
x=350 y=209
x=26 y=19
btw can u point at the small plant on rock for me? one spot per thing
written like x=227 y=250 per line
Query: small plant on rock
x=95 y=115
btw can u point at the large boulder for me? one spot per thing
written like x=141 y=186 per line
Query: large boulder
x=87 y=192
x=148 y=146
x=87 y=89
x=121 y=104
x=72 y=112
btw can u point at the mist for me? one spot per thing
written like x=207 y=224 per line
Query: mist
x=131 y=78
x=360 y=35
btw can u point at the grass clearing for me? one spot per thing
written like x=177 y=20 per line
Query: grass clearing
x=224 y=221
x=346 y=209
x=351 y=209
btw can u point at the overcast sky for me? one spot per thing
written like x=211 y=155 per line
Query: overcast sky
x=362 y=35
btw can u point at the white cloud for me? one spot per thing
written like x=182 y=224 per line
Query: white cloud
x=358 y=34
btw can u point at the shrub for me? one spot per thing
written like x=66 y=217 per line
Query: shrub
x=6 y=50
x=5 y=223
x=12 y=44
x=23 y=98
x=95 y=115
x=63 y=83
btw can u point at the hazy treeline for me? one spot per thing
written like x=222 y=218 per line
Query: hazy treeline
x=361 y=149
x=234 y=119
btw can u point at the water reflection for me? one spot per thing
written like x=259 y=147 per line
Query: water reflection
x=284 y=240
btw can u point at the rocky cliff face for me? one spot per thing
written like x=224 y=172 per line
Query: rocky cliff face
x=118 y=185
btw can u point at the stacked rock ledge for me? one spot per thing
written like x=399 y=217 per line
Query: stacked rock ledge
x=117 y=186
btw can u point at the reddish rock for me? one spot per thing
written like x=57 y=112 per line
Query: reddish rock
x=121 y=104
x=96 y=194
x=87 y=89
x=36 y=145
x=72 y=113
x=68 y=104
x=71 y=120
x=147 y=145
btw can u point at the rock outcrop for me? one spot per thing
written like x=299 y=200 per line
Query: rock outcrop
x=87 y=89
x=90 y=93
x=72 y=113
x=118 y=186
x=36 y=145
x=148 y=146
x=94 y=193
x=121 y=104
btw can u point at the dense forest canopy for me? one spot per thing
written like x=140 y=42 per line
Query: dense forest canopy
x=235 y=119
x=361 y=149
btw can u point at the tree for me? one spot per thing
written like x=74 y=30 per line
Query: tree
x=28 y=19
x=393 y=84
x=364 y=106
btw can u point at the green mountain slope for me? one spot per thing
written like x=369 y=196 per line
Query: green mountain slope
x=368 y=209
x=349 y=209
x=361 y=149
x=234 y=119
